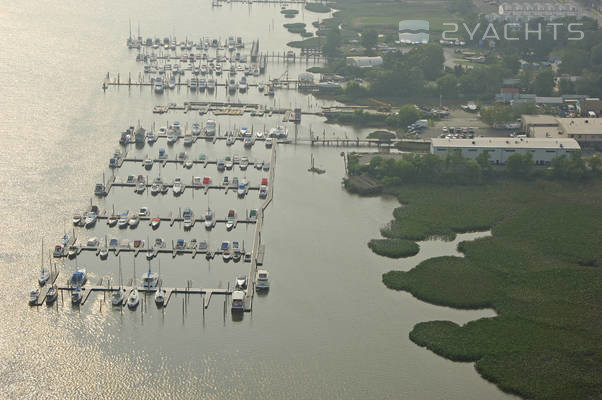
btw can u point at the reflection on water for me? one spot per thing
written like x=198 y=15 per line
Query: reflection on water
x=328 y=327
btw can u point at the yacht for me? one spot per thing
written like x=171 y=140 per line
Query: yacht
x=123 y=220
x=242 y=86
x=196 y=129
x=90 y=219
x=230 y=219
x=118 y=297
x=51 y=295
x=79 y=277
x=241 y=282
x=229 y=163
x=225 y=248
x=44 y=276
x=232 y=86
x=159 y=297
x=236 y=254
x=112 y=221
x=238 y=301
x=280 y=132
x=211 y=84
x=150 y=279
x=210 y=128
x=103 y=253
x=140 y=187
x=158 y=85
x=76 y=296
x=33 y=296
x=209 y=219
x=188 y=217
x=262 y=281
x=178 y=188
x=133 y=221
x=133 y=299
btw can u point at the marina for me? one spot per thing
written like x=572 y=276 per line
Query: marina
x=311 y=335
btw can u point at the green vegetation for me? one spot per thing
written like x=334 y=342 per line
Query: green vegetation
x=296 y=27
x=381 y=135
x=358 y=118
x=501 y=113
x=311 y=43
x=289 y=12
x=394 y=248
x=540 y=271
x=317 y=7
x=456 y=169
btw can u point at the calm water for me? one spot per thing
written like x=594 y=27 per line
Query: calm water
x=327 y=329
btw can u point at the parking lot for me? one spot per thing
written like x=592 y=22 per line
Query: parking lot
x=462 y=119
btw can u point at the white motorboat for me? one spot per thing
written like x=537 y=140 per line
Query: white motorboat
x=238 y=301
x=155 y=189
x=244 y=163
x=230 y=219
x=225 y=249
x=148 y=163
x=172 y=136
x=103 y=253
x=188 y=218
x=155 y=222
x=242 y=86
x=177 y=188
x=268 y=143
x=262 y=281
x=159 y=297
x=133 y=221
x=241 y=282
x=279 y=132
x=118 y=297
x=211 y=84
x=210 y=128
x=228 y=162
x=140 y=187
x=243 y=188
x=77 y=219
x=261 y=87
x=150 y=137
x=133 y=299
x=209 y=219
x=188 y=140
x=150 y=279
x=90 y=219
x=112 y=221
x=123 y=220
x=259 y=134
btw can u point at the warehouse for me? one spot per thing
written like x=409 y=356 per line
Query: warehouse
x=543 y=150
x=587 y=131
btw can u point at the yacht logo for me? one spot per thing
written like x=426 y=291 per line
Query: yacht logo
x=414 y=31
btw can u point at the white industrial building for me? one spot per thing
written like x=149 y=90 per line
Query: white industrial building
x=523 y=12
x=500 y=148
x=364 y=62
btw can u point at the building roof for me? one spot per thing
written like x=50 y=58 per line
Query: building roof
x=539 y=119
x=510 y=143
x=548 y=100
x=545 y=132
x=581 y=126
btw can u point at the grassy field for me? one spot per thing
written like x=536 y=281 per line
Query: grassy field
x=385 y=16
x=540 y=270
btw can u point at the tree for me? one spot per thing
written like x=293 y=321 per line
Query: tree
x=333 y=41
x=369 y=40
x=544 y=83
x=483 y=161
x=429 y=58
x=448 y=85
x=520 y=166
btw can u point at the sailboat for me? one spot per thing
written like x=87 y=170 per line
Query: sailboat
x=44 y=272
x=117 y=297
x=134 y=297
x=150 y=279
x=159 y=296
